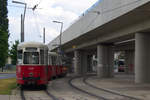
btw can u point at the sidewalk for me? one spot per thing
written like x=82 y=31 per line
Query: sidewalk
x=4 y=97
x=123 y=84
x=9 y=97
x=12 y=72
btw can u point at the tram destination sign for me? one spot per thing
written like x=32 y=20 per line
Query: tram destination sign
x=31 y=49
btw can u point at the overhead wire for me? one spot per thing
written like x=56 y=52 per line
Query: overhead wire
x=37 y=26
x=40 y=2
x=36 y=19
x=35 y=6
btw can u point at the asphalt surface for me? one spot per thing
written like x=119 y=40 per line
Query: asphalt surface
x=6 y=76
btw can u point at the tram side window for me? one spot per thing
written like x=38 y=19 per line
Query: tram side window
x=31 y=58
x=19 y=57
x=46 y=57
x=53 y=60
x=42 y=56
x=50 y=60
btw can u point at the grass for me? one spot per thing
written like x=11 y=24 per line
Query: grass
x=7 y=85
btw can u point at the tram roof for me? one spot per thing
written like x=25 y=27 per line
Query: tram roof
x=32 y=44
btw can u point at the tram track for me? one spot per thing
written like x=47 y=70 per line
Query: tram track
x=51 y=95
x=100 y=93
x=84 y=91
x=106 y=90
x=22 y=94
x=25 y=96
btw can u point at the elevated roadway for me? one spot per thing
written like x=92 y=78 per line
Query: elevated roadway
x=116 y=21
x=103 y=29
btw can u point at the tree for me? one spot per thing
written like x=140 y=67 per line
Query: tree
x=13 y=52
x=3 y=48
x=3 y=15
x=3 y=33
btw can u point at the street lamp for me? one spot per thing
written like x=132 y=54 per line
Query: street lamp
x=60 y=33
x=22 y=19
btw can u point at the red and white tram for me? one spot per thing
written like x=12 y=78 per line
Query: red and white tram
x=56 y=67
x=35 y=65
x=32 y=64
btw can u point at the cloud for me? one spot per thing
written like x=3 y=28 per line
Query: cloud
x=14 y=28
x=75 y=6
x=62 y=10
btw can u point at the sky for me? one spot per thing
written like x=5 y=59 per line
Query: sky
x=66 y=11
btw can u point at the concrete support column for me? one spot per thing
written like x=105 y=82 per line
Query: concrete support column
x=129 y=61
x=100 y=62
x=105 y=58
x=80 y=62
x=89 y=63
x=142 y=58
x=84 y=62
x=70 y=65
x=77 y=62
x=110 y=62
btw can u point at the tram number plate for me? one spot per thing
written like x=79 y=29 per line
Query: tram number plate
x=31 y=82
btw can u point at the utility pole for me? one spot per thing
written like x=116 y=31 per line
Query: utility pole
x=21 y=29
x=22 y=19
x=44 y=35
x=22 y=34
x=60 y=36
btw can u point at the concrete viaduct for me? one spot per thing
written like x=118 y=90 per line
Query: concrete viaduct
x=110 y=25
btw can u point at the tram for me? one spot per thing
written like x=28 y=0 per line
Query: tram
x=32 y=64
x=37 y=66
x=56 y=66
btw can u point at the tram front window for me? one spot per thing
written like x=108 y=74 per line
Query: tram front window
x=19 y=57
x=31 y=58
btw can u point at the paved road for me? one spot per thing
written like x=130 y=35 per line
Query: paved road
x=5 y=76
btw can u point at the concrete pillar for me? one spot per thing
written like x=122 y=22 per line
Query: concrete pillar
x=129 y=61
x=100 y=62
x=77 y=62
x=110 y=61
x=105 y=58
x=89 y=63
x=80 y=62
x=142 y=58
x=84 y=62
x=70 y=65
